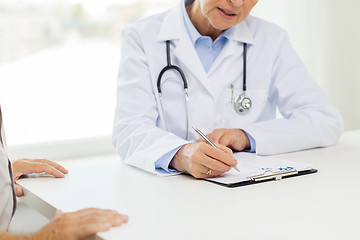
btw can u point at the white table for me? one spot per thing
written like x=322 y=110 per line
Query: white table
x=324 y=205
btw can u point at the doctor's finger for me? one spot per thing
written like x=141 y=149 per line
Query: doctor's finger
x=226 y=149
x=201 y=171
x=236 y=139
x=200 y=140
x=226 y=140
x=216 y=134
x=216 y=165
x=51 y=163
x=222 y=154
x=229 y=152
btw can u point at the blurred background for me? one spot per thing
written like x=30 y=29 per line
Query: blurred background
x=59 y=61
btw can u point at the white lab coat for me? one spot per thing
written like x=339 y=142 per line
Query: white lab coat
x=276 y=77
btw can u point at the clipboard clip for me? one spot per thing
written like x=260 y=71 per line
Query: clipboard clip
x=278 y=175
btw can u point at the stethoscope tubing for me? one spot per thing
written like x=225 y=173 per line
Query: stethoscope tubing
x=244 y=67
x=169 y=66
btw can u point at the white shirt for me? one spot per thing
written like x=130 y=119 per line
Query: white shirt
x=276 y=78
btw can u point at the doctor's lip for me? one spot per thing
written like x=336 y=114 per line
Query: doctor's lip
x=227 y=11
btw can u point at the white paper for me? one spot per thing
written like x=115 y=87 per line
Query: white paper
x=251 y=165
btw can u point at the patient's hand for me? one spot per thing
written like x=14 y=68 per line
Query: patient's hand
x=28 y=166
x=80 y=224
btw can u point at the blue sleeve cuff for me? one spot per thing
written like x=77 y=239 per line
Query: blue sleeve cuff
x=252 y=143
x=164 y=161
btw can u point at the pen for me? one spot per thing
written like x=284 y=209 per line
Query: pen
x=209 y=142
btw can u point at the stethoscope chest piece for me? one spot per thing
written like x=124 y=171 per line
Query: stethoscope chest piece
x=242 y=104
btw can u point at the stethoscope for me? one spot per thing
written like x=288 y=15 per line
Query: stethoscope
x=242 y=103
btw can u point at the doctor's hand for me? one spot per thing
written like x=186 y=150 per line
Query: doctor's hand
x=235 y=139
x=202 y=160
x=28 y=166
x=79 y=224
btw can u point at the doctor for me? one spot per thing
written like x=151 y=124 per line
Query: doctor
x=208 y=64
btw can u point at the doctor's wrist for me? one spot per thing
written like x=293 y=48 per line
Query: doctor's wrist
x=176 y=160
x=244 y=141
x=247 y=141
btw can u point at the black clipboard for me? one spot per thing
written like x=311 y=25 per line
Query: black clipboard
x=265 y=178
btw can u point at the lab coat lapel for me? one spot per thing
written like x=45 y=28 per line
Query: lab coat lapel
x=220 y=70
x=240 y=35
x=233 y=51
x=173 y=29
x=186 y=54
